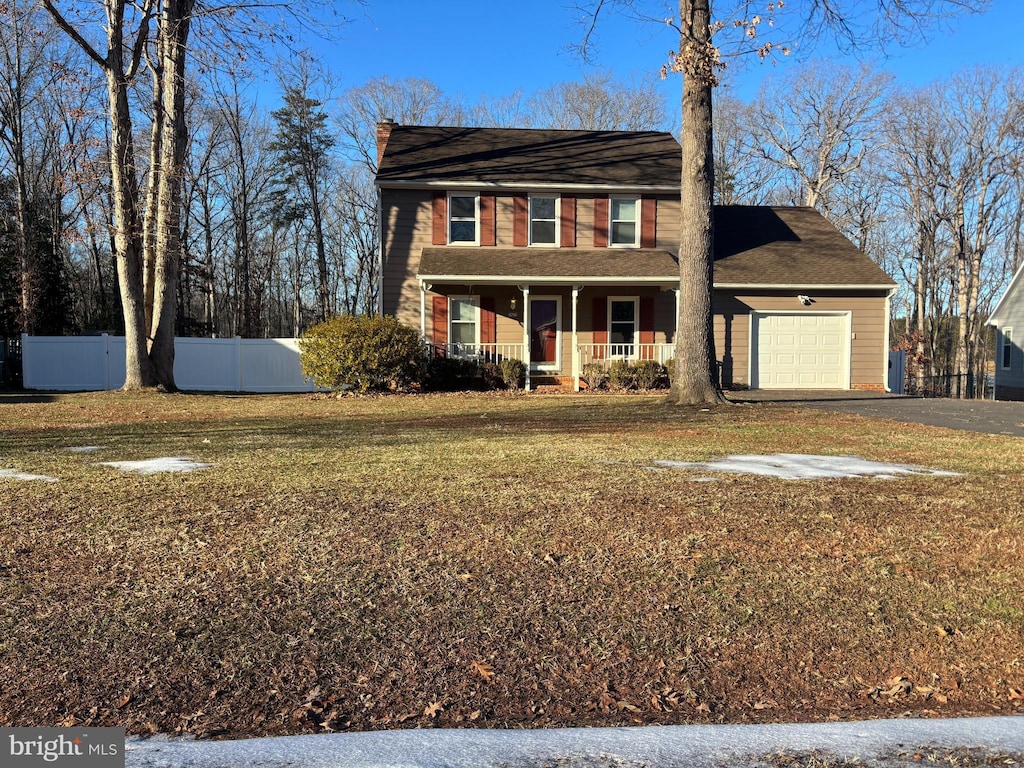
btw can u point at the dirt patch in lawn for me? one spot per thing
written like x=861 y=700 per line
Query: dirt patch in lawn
x=496 y=561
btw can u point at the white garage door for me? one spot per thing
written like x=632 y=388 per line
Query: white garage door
x=799 y=351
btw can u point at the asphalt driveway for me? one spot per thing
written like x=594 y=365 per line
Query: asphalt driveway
x=995 y=418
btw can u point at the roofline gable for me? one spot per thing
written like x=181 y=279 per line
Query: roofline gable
x=1007 y=297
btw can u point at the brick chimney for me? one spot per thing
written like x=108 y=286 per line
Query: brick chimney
x=384 y=129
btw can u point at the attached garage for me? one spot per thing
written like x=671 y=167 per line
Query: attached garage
x=800 y=350
x=796 y=304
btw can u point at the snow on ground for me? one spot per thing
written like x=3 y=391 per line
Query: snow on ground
x=14 y=474
x=155 y=466
x=798 y=466
x=83 y=448
x=878 y=742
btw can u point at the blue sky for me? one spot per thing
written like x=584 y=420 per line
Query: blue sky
x=476 y=47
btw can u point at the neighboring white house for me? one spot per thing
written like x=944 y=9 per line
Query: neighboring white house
x=1008 y=320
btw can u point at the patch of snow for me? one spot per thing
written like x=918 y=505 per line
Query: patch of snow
x=693 y=746
x=155 y=466
x=83 y=449
x=13 y=474
x=798 y=466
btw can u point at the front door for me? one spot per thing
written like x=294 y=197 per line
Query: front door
x=545 y=328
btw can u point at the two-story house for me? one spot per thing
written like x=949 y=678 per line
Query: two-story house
x=559 y=248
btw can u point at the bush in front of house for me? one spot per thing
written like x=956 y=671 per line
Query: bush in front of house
x=451 y=374
x=595 y=374
x=362 y=352
x=513 y=373
x=649 y=374
x=621 y=376
x=670 y=370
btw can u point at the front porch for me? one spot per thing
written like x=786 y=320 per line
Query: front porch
x=555 y=309
x=583 y=355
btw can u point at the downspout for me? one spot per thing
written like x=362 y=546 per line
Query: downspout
x=575 y=339
x=885 y=340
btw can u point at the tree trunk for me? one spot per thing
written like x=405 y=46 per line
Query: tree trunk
x=139 y=372
x=696 y=381
x=174 y=30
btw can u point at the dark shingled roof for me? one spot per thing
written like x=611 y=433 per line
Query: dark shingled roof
x=521 y=155
x=781 y=245
x=551 y=263
x=754 y=245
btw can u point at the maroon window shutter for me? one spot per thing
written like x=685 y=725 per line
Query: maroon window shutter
x=567 y=237
x=600 y=325
x=488 y=324
x=520 y=219
x=648 y=222
x=440 y=219
x=487 y=234
x=647 y=326
x=440 y=319
x=601 y=222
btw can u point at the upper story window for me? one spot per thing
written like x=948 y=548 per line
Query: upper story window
x=544 y=219
x=1006 y=350
x=464 y=218
x=625 y=225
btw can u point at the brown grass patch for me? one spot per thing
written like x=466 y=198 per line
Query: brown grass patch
x=495 y=561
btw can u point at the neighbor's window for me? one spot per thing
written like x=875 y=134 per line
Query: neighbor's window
x=624 y=229
x=543 y=220
x=462 y=320
x=1006 y=351
x=463 y=212
x=622 y=318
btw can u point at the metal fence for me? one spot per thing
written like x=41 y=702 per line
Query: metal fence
x=961 y=386
x=10 y=363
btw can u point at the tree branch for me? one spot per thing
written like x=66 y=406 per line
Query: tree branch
x=73 y=33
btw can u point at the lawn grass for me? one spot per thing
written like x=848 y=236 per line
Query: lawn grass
x=494 y=560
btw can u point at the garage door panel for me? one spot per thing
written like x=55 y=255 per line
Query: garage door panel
x=800 y=350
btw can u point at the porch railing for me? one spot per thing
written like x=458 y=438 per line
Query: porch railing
x=478 y=353
x=605 y=353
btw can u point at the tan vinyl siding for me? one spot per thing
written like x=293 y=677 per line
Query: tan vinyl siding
x=868 y=348
x=408 y=229
x=668 y=223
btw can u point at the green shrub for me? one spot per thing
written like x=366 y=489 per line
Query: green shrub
x=621 y=375
x=491 y=376
x=362 y=352
x=450 y=374
x=595 y=374
x=649 y=374
x=513 y=372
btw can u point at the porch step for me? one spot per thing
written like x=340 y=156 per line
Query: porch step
x=551 y=383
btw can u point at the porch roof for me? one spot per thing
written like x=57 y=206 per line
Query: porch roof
x=551 y=265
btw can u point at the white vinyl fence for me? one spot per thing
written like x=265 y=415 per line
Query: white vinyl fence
x=77 y=363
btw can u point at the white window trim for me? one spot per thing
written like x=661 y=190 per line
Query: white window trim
x=476 y=218
x=636 y=327
x=558 y=219
x=636 y=221
x=475 y=301
x=1005 y=340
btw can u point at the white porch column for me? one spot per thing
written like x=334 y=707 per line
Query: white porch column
x=526 y=331
x=424 y=287
x=575 y=339
x=675 y=336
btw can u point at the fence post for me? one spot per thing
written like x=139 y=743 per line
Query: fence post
x=238 y=361
x=106 y=362
x=24 y=361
